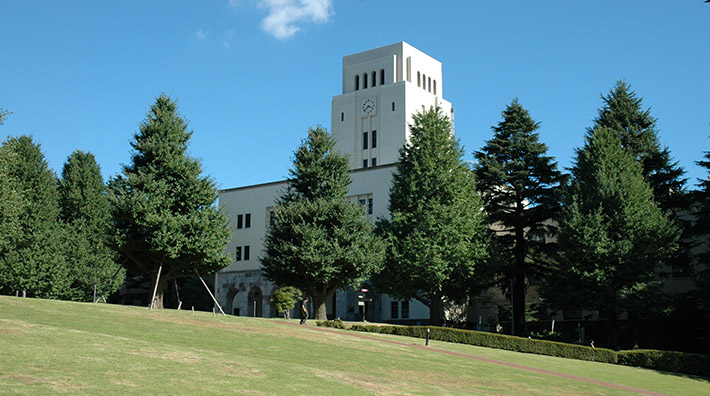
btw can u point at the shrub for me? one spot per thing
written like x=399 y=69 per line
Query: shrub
x=336 y=324
x=499 y=341
x=680 y=362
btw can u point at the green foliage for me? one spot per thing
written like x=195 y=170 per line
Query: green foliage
x=678 y=362
x=702 y=232
x=334 y=324
x=163 y=208
x=520 y=186
x=285 y=298
x=612 y=234
x=86 y=212
x=31 y=242
x=437 y=234
x=498 y=341
x=3 y=115
x=319 y=241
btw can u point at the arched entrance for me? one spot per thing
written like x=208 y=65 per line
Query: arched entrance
x=255 y=302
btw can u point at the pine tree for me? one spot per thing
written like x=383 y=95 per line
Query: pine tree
x=163 y=208
x=85 y=210
x=702 y=232
x=437 y=234
x=319 y=242
x=520 y=187
x=612 y=237
x=31 y=250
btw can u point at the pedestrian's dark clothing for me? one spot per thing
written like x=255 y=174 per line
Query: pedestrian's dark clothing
x=304 y=311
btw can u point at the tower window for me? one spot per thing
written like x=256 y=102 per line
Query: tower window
x=434 y=87
x=429 y=84
x=374 y=78
x=382 y=76
x=419 y=79
x=374 y=140
x=364 y=140
x=392 y=106
x=364 y=81
x=424 y=81
x=342 y=117
x=240 y=222
x=357 y=82
x=247 y=220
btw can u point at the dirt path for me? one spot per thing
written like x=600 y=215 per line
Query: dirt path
x=482 y=359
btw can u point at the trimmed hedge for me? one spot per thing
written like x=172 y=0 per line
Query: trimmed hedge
x=498 y=341
x=336 y=324
x=679 y=362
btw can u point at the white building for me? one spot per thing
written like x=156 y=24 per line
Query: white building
x=382 y=89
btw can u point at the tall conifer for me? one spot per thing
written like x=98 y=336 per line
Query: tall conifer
x=520 y=187
x=163 y=208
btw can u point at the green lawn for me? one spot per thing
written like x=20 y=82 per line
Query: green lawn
x=50 y=347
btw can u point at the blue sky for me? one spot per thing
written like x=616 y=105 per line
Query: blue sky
x=252 y=75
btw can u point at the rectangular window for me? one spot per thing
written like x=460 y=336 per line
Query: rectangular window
x=370 y=205
x=247 y=220
x=395 y=309
x=374 y=162
x=362 y=202
x=405 y=309
x=239 y=221
x=374 y=139
x=246 y=252
x=342 y=117
x=272 y=219
x=364 y=140
x=364 y=163
x=392 y=106
x=239 y=253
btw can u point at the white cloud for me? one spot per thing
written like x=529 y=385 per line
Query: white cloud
x=201 y=34
x=286 y=16
x=235 y=3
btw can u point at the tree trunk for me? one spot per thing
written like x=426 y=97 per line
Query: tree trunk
x=160 y=291
x=518 y=292
x=319 y=307
x=435 y=310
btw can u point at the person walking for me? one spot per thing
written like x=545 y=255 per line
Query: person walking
x=304 y=311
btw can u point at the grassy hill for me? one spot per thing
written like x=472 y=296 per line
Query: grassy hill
x=54 y=347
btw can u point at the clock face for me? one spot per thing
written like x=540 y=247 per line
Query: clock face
x=368 y=107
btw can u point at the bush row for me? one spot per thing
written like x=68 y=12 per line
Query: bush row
x=680 y=362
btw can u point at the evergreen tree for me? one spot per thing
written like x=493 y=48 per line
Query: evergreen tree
x=31 y=251
x=520 y=187
x=612 y=237
x=437 y=234
x=164 y=210
x=319 y=241
x=86 y=212
x=702 y=231
x=636 y=128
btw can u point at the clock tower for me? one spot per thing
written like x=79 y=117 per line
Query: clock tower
x=382 y=88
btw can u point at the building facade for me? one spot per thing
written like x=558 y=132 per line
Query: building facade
x=381 y=90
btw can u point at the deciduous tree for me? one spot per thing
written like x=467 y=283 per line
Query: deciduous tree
x=319 y=241
x=437 y=234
